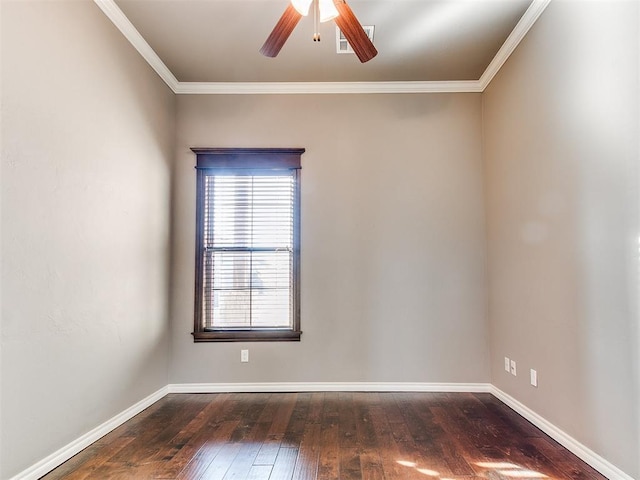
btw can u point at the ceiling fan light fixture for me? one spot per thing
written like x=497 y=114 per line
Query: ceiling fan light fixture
x=322 y=10
x=302 y=6
x=328 y=10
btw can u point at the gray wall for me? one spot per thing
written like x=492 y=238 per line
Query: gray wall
x=393 y=242
x=561 y=153
x=393 y=260
x=87 y=139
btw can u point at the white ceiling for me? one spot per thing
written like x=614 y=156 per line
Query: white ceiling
x=215 y=42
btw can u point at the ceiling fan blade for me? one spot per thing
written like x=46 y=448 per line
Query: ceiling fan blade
x=281 y=32
x=354 y=33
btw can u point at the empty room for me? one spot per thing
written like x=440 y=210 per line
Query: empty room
x=318 y=239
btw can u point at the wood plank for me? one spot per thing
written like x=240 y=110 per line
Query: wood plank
x=329 y=454
x=217 y=469
x=370 y=460
x=162 y=426
x=325 y=435
x=347 y=422
x=390 y=454
x=243 y=461
x=269 y=450
x=350 y=467
x=282 y=416
x=251 y=445
x=462 y=436
x=427 y=436
x=284 y=464
x=307 y=462
x=371 y=465
x=92 y=463
x=260 y=472
x=560 y=459
x=211 y=443
x=295 y=428
x=188 y=444
x=316 y=406
x=280 y=410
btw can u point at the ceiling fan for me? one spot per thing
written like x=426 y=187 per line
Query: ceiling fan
x=336 y=10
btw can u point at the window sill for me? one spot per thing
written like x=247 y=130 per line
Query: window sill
x=247 y=336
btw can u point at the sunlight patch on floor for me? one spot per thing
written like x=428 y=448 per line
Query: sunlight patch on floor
x=502 y=469
x=426 y=471
x=522 y=474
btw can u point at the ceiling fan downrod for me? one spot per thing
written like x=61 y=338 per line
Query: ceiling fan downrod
x=316 y=23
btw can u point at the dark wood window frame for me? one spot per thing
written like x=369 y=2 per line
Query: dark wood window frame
x=217 y=160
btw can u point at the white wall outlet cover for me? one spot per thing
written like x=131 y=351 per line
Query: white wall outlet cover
x=244 y=356
x=534 y=378
x=507 y=364
x=513 y=367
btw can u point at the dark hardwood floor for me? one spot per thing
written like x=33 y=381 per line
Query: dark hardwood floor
x=344 y=436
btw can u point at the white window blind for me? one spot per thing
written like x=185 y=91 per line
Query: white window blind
x=248 y=243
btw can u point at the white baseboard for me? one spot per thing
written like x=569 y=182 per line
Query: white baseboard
x=57 y=458
x=587 y=455
x=328 y=387
x=65 y=453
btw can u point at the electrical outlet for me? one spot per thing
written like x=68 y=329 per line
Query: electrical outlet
x=534 y=378
x=507 y=364
x=244 y=356
x=513 y=368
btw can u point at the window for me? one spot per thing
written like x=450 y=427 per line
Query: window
x=247 y=245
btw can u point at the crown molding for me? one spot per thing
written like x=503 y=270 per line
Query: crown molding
x=513 y=40
x=255 y=88
x=120 y=20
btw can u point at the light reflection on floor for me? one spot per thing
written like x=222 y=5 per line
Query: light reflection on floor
x=502 y=469
x=426 y=471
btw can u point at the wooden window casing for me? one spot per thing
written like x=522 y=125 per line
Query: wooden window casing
x=244 y=164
